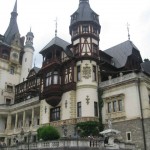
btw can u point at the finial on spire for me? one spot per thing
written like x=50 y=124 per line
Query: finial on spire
x=56 y=27
x=15 y=7
x=128 y=30
x=34 y=61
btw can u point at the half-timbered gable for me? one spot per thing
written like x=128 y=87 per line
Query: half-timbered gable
x=54 y=54
x=29 y=88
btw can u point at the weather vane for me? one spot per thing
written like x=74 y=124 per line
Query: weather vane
x=56 y=27
x=128 y=30
x=34 y=61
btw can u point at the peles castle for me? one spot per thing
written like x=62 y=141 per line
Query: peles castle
x=65 y=89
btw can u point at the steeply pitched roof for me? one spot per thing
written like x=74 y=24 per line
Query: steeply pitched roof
x=59 y=42
x=146 y=67
x=85 y=13
x=13 y=26
x=121 y=52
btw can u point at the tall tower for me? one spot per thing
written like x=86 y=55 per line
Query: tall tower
x=27 y=56
x=84 y=31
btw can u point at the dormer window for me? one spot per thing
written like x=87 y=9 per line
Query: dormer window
x=85 y=28
x=5 y=54
x=94 y=30
x=74 y=17
x=95 y=48
x=95 y=17
x=75 y=31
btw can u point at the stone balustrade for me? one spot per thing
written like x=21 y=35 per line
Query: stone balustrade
x=72 y=144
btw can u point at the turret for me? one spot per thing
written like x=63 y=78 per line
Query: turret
x=27 y=56
x=84 y=31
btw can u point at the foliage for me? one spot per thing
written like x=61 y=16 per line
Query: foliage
x=146 y=60
x=48 y=133
x=100 y=103
x=89 y=128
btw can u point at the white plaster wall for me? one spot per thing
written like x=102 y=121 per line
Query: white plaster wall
x=7 y=78
x=81 y=95
x=65 y=111
x=95 y=41
x=26 y=65
x=88 y=81
x=131 y=100
x=44 y=115
x=87 y=87
x=76 y=42
x=145 y=99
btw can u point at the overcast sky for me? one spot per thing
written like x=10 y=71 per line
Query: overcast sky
x=113 y=14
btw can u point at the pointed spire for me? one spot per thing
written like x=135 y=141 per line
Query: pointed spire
x=15 y=7
x=13 y=26
x=84 y=1
x=56 y=27
x=128 y=31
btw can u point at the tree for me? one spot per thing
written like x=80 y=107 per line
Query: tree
x=146 y=60
x=48 y=133
x=89 y=128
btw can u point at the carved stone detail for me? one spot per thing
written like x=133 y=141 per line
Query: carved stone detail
x=86 y=71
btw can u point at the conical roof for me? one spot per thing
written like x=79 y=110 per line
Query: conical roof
x=84 y=13
x=13 y=26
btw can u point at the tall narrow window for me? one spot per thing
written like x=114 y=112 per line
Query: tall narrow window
x=55 y=114
x=85 y=29
x=12 y=70
x=96 y=109
x=128 y=135
x=120 y=108
x=48 y=78
x=78 y=73
x=55 y=77
x=79 y=109
x=109 y=107
x=94 y=73
x=114 y=106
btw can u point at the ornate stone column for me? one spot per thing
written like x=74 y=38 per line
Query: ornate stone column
x=24 y=118
x=9 y=118
x=16 y=121
x=32 y=116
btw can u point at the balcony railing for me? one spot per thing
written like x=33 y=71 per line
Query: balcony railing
x=118 y=80
x=51 y=61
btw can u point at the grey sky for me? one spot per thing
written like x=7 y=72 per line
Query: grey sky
x=113 y=14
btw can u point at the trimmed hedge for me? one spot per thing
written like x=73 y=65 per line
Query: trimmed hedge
x=47 y=133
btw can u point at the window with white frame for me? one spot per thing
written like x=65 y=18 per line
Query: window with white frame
x=8 y=101
x=128 y=136
x=12 y=70
x=9 y=88
x=115 y=104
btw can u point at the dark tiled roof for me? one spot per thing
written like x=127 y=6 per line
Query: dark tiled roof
x=84 y=13
x=59 y=42
x=13 y=26
x=121 y=52
x=146 y=67
x=36 y=69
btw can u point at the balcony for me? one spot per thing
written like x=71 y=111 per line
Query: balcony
x=52 y=94
x=49 y=62
x=118 y=80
